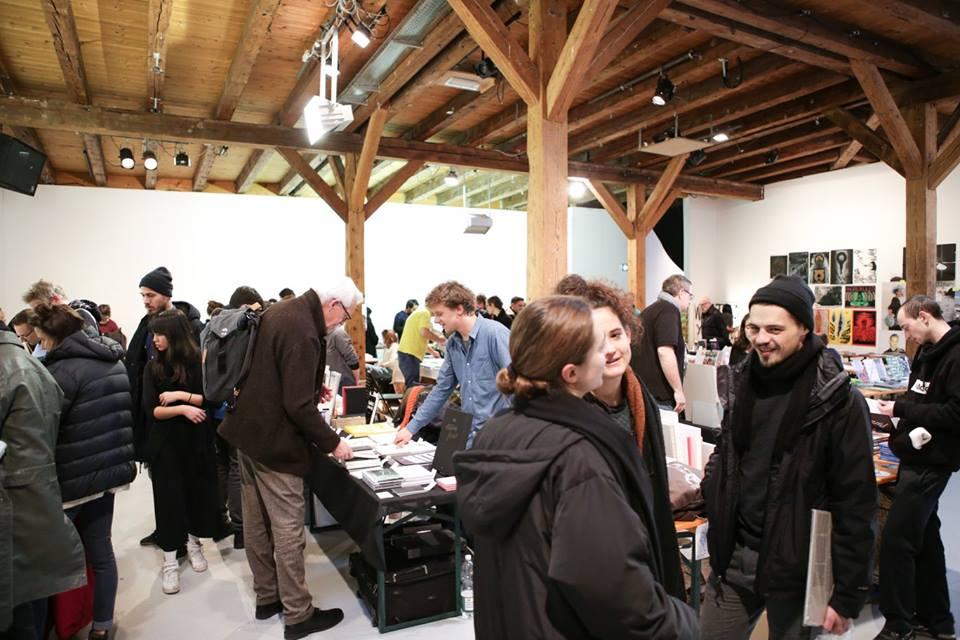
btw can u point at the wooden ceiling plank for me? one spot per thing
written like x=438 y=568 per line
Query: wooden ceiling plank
x=865 y=136
x=391 y=186
x=259 y=159
x=818 y=31
x=482 y=184
x=624 y=29
x=371 y=140
x=569 y=75
x=26 y=135
x=312 y=178
x=497 y=196
x=58 y=115
x=495 y=39
x=668 y=180
x=827 y=157
x=202 y=173
x=94 y=152
x=927 y=15
x=150 y=177
x=761 y=144
x=613 y=207
x=158 y=21
x=786 y=154
x=851 y=150
x=890 y=116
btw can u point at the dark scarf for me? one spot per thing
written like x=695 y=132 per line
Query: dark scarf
x=798 y=374
x=616 y=447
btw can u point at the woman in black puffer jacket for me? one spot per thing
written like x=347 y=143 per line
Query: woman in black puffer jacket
x=95 y=444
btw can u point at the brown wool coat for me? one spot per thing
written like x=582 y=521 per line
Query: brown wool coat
x=276 y=419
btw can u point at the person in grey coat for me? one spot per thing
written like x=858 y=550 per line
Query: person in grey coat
x=342 y=356
x=40 y=551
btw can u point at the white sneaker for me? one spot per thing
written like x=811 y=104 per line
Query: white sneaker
x=171 y=578
x=195 y=553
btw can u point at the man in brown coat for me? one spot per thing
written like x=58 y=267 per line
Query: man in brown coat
x=273 y=426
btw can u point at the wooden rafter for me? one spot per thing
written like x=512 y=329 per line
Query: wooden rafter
x=787 y=153
x=158 y=21
x=851 y=150
x=625 y=29
x=814 y=160
x=761 y=143
x=665 y=185
x=656 y=215
x=576 y=59
x=371 y=140
x=950 y=128
x=339 y=172
x=150 y=176
x=494 y=38
x=390 y=187
x=312 y=178
x=27 y=135
x=866 y=136
x=946 y=161
x=894 y=125
x=612 y=204
x=292 y=180
x=66 y=42
x=930 y=15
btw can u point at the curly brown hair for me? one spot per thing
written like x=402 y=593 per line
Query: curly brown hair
x=600 y=294
x=452 y=294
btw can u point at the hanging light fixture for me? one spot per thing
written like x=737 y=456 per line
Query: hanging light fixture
x=182 y=159
x=721 y=136
x=126 y=158
x=361 y=34
x=451 y=179
x=150 y=161
x=576 y=189
x=665 y=89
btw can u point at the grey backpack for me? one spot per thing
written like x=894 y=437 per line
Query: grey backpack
x=227 y=351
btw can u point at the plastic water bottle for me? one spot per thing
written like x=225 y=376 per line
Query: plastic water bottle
x=466 y=586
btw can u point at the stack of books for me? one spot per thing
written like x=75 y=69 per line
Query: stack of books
x=363 y=460
x=413 y=447
x=415 y=479
x=382 y=479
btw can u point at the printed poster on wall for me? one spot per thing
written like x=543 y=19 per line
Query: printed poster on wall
x=778 y=266
x=865 y=266
x=797 y=265
x=821 y=321
x=892 y=342
x=946 y=296
x=819 y=267
x=946 y=262
x=860 y=297
x=841 y=266
x=828 y=295
x=865 y=328
x=892 y=295
x=840 y=328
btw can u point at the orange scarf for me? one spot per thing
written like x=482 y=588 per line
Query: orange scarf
x=634 y=393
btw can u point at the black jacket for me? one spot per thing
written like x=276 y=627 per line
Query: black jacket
x=136 y=360
x=95 y=441
x=560 y=551
x=831 y=468
x=932 y=402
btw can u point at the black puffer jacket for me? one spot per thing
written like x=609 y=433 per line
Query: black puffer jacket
x=560 y=552
x=933 y=402
x=830 y=468
x=95 y=441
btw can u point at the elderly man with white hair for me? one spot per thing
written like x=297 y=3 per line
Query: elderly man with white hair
x=712 y=324
x=273 y=426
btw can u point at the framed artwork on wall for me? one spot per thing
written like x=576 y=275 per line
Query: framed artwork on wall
x=865 y=266
x=841 y=266
x=819 y=267
x=891 y=342
x=778 y=266
x=827 y=295
x=821 y=321
x=865 y=328
x=797 y=265
x=860 y=297
x=840 y=329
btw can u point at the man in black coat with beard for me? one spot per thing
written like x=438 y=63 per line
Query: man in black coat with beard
x=796 y=437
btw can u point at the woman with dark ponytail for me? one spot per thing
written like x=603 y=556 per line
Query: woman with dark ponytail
x=559 y=500
x=180 y=446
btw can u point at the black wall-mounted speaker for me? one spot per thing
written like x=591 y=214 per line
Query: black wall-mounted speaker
x=20 y=165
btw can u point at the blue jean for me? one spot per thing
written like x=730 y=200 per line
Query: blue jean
x=94 y=521
x=410 y=368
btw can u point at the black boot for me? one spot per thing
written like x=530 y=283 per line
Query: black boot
x=266 y=611
x=321 y=620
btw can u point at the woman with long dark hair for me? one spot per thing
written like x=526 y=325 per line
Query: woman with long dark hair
x=495 y=311
x=94 y=443
x=180 y=446
x=559 y=500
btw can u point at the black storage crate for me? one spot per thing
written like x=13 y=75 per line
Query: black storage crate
x=414 y=589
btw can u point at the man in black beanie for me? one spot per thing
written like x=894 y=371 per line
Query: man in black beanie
x=796 y=437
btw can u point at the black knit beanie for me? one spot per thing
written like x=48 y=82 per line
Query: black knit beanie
x=159 y=280
x=791 y=293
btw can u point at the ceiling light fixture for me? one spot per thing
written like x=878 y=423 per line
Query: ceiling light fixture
x=361 y=34
x=126 y=158
x=323 y=113
x=150 y=160
x=451 y=179
x=721 y=136
x=696 y=158
x=664 y=93
x=182 y=159
x=772 y=157
x=576 y=189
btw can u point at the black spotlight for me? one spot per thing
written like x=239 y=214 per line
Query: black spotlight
x=664 y=92
x=696 y=158
x=182 y=159
x=486 y=67
x=126 y=158
x=772 y=157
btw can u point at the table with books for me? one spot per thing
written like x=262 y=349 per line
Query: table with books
x=377 y=500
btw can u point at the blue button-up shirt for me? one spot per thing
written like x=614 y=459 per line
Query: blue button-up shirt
x=473 y=364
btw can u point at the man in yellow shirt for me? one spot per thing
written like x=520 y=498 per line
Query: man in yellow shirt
x=417 y=331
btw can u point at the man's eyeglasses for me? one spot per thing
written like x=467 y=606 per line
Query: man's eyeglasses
x=24 y=336
x=345 y=312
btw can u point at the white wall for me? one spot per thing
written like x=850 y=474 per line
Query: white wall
x=98 y=243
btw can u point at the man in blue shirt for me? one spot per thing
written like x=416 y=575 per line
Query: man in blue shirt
x=477 y=349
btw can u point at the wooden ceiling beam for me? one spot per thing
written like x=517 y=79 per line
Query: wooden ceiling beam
x=150 y=176
x=613 y=207
x=292 y=181
x=947 y=159
x=371 y=141
x=758 y=39
x=66 y=42
x=495 y=39
x=655 y=216
x=576 y=58
x=892 y=120
x=761 y=144
x=487 y=198
x=130 y=181
x=950 y=129
x=339 y=170
x=482 y=184
x=785 y=154
x=201 y=174
x=826 y=157
x=313 y=179
x=259 y=159
x=57 y=115
x=391 y=186
x=26 y=135
x=866 y=136
x=666 y=183
x=624 y=29
x=928 y=15
x=819 y=31
x=851 y=150
x=158 y=21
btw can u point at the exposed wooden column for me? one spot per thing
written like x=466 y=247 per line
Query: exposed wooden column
x=354 y=255
x=922 y=204
x=636 y=247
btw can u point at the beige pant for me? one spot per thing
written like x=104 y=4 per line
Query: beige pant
x=273 y=533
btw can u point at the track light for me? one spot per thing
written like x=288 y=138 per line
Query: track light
x=486 y=67
x=696 y=158
x=772 y=157
x=361 y=35
x=451 y=179
x=150 y=161
x=126 y=158
x=721 y=136
x=182 y=159
x=576 y=189
x=664 y=92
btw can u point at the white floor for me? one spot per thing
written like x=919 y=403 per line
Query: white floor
x=219 y=604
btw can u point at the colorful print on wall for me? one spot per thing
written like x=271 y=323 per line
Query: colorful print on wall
x=840 y=328
x=797 y=265
x=860 y=297
x=821 y=321
x=865 y=266
x=841 y=266
x=778 y=266
x=828 y=295
x=892 y=295
x=891 y=342
x=819 y=267
x=865 y=328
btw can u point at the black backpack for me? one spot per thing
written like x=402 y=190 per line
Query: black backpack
x=227 y=344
